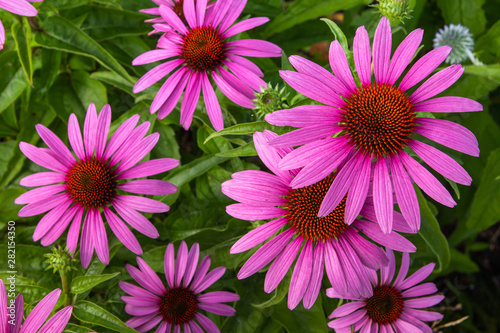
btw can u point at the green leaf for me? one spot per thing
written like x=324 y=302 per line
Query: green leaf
x=13 y=80
x=300 y=319
x=22 y=38
x=84 y=283
x=51 y=62
x=485 y=210
x=64 y=99
x=279 y=293
x=431 y=232
x=465 y=12
x=491 y=72
x=65 y=4
x=72 y=328
x=248 y=129
x=489 y=42
x=340 y=36
x=89 y=90
x=64 y=35
x=8 y=209
x=302 y=10
x=247 y=149
x=92 y=313
x=113 y=79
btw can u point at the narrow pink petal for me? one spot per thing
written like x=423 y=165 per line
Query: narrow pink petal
x=355 y=272
x=270 y=156
x=245 y=75
x=59 y=226
x=156 y=74
x=252 y=193
x=416 y=277
x=101 y=239
x=192 y=262
x=74 y=231
x=245 y=62
x=138 y=153
x=362 y=55
x=208 y=280
x=423 y=302
x=218 y=297
x=309 y=68
x=120 y=136
x=403 y=55
x=141 y=204
x=341 y=184
x=201 y=272
x=137 y=292
x=265 y=254
x=22 y=8
x=211 y=103
x=405 y=194
x=19 y=311
x=424 y=66
x=253 y=48
x=201 y=8
x=220 y=10
x=304 y=116
x=41 y=312
x=181 y=262
x=301 y=276
x=171 y=17
x=57 y=323
x=420 y=290
x=382 y=42
x=253 y=213
x=340 y=67
x=231 y=92
x=347 y=309
x=190 y=100
x=190 y=13
x=426 y=181
x=87 y=242
x=387 y=272
x=148 y=186
x=281 y=265
x=207 y=324
x=448 y=104
x=257 y=236
x=39 y=193
x=441 y=162
x=3 y=308
x=314 y=286
x=141 y=310
x=121 y=231
x=348 y=320
x=90 y=130
x=403 y=326
x=334 y=269
x=44 y=205
x=218 y=309
x=244 y=26
x=42 y=157
x=382 y=195
x=195 y=328
x=437 y=83
x=304 y=155
x=403 y=269
x=422 y=327
x=393 y=240
x=261 y=178
x=136 y=220
x=149 y=168
x=75 y=137
x=56 y=145
x=358 y=191
x=103 y=122
x=2 y=35
x=312 y=88
x=232 y=14
x=306 y=135
x=130 y=143
x=169 y=265
x=170 y=89
x=153 y=279
x=42 y=178
x=424 y=315
x=143 y=279
x=370 y=254
x=448 y=134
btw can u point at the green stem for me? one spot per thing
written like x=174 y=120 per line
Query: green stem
x=65 y=287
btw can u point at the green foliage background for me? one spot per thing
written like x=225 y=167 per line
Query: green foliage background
x=77 y=52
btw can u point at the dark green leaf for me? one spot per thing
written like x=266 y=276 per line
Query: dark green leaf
x=300 y=319
x=248 y=129
x=247 y=149
x=84 y=283
x=465 y=12
x=22 y=38
x=13 y=80
x=88 y=90
x=88 y=312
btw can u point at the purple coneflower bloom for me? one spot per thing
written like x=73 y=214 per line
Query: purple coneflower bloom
x=201 y=50
x=11 y=315
x=391 y=307
x=89 y=183
x=19 y=7
x=178 y=305
x=373 y=124
x=327 y=242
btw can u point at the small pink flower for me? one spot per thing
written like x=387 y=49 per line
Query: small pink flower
x=11 y=315
x=368 y=128
x=19 y=7
x=89 y=183
x=200 y=50
x=327 y=243
x=391 y=307
x=180 y=304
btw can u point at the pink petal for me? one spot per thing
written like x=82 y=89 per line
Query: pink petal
x=90 y=130
x=334 y=269
x=56 y=145
x=156 y=74
x=87 y=242
x=44 y=205
x=39 y=193
x=232 y=14
x=101 y=240
x=42 y=178
x=103 y=122
x=59 y=226
x=281 y=265
x=190 y=13
x=387 y=273
x=148 y=186
x=245 y=75
x=170 y=89
x=139 y=152
x=393 y=240
x=142 y=204
x=244 y=26
x=171 y=17
x=181 y=262
x=169 y=265
x=417 y=277
x=154 y=281
x=207 y=324
x=57 y=323
x=340 y=67
x=74 y=231
x=119 y=137
x=382 y=42
x=270 y=156
x=304 y=116
x=211 y=103
x=218 y=297
x=423 y=302
x=122 y=232
x=403 y=55
x=22 y=8
x=362 y=55
x=149 y=168
x=258 y=235
x=314 y=285
x=252 y=213
x=405 y=194
x=253 y=48
x=420 y=290
x=41 y=312
x=208 y=280
x=359 y=191
x=448 y=104
x=218 y=309
x=301 y=276
x=190 y=100
x=192 y=262
x=437 y=83
x=136 y=220
x=233 y=91
x=42 y=157
x=382 y=196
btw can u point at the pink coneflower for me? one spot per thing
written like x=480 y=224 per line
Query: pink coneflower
x=11 y=315
x=89 y=183
x=19 y=7
x=201 y=50
x=373 y=124
x=327 y=242
x=180 y=304
x=390 y=307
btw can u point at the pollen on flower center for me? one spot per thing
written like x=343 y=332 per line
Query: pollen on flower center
x=91 y=183
x=385 y=306
x=178 y=306
x=302 y=212
x=379 y=119
x=203 y=49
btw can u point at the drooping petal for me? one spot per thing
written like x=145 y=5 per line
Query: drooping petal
x=405 y=194
x=382 y=196
x=301 y=276
x=314 y=285
x=211 y=103
x=190 y=100
x=281 y=265
x=122 y=231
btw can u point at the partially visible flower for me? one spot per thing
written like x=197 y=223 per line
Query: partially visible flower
x=270 y=99
x=180 y=303
x=326 y=242
x=89 y=183
x=368 y=128
x=395 y=10
x=392 y=307
x=200 y=50
x=19 y=7
x=460 y=39
x=11 y=315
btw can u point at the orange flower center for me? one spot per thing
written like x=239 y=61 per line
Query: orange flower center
x=203 y=49
x=302 y=212
x=379 y=119
x=385 y=306
x=178 y=306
